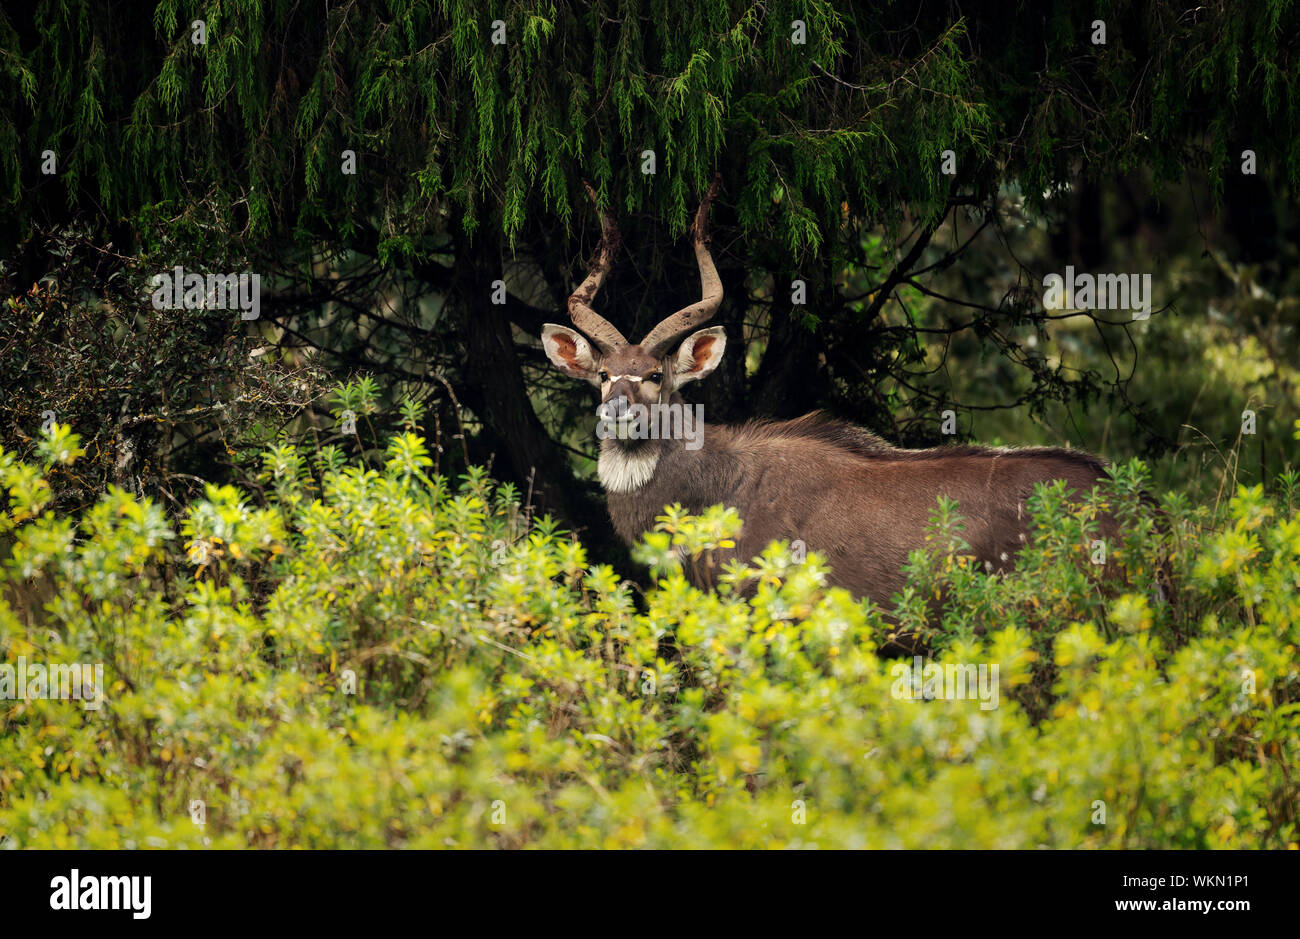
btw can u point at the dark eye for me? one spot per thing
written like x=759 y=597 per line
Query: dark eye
x=657 y=377
x=604 y=375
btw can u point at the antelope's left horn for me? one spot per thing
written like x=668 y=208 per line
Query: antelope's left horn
x=662 y=337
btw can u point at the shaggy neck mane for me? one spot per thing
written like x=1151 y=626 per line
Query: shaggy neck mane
x=623 y=469
x=817 y=426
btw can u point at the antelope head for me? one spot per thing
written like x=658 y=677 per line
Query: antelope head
x=648 y=372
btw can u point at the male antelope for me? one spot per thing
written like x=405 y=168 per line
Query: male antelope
x=843 y=491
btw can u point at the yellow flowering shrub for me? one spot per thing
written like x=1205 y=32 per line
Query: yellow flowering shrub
x=374 y=656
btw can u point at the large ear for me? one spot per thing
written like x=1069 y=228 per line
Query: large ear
x=569 y=350
x=699 y=354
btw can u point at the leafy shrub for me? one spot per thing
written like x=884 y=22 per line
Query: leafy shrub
x=378 y=656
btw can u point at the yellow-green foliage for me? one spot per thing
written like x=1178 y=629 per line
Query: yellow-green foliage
x=510 y=694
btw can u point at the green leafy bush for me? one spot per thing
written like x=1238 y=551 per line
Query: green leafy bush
x=378 y=656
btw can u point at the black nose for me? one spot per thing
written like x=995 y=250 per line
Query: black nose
x=614 y=408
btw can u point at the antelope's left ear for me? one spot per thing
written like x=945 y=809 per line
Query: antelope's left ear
x=569 y=350
x=699 y=354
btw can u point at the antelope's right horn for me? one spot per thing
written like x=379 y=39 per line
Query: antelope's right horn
x=600 y=330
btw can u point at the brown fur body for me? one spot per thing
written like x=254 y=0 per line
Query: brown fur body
x=848 y=495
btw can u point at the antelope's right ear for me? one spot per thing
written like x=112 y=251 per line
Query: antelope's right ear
x=569 y=350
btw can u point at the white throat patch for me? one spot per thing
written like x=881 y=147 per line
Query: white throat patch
x=621 y=471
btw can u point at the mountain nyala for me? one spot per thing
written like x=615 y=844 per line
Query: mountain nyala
x=841 y=490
